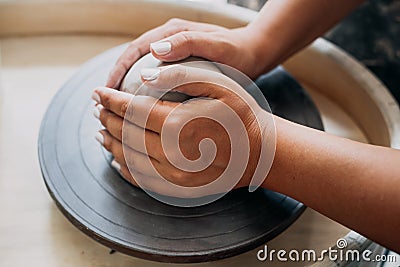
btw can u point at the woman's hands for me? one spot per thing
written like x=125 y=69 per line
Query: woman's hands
x=341 y=179
x=178 y=39
x=148 y=135
x=281 y=29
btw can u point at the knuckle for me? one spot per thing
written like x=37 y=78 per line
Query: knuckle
x=187 y=134
x=129 y=111
x=221 y=45
x=178 y=74
x=173 y=122
x=186 y=37
x=179 y=177
x=175 y=25
x=106 y=100
x=175 y=21
x=135 y=51
x=124 y=108
x=130 y=54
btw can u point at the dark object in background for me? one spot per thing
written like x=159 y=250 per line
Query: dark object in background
x=98 y=201
x=275 y=87
x=371 y=34
x=252 y=4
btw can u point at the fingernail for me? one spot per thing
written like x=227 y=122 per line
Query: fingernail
x=150 y=74
x=100 y=138
x=161 y=48
x=96 y=113
x=97 y=109
x=96 y=97
x=116 y=165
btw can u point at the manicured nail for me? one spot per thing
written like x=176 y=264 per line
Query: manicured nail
x=116 y=165
x=96 y=97
x=161 y=48
x=96 y=111
x=100 y=138
x=150 y=74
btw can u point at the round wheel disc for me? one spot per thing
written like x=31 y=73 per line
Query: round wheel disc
x=93 y=196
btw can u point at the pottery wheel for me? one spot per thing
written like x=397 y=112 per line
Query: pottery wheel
x=94 y=197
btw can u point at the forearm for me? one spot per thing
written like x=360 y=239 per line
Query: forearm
x=283 y=27
x=352 y=183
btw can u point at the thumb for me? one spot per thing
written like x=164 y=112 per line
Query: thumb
x=188 y=43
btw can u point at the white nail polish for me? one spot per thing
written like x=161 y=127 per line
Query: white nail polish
x=116 y=165
x=96 y=113
x=96 y=97
x=150 y=74
x=97 y=109
x=100 y=107
x=161 y=48
x=100 y=138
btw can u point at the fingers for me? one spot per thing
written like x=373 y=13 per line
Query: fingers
x=140 y=46
x=113 y=100
x=124 y=155
x=112 y=145
x=137 y=49
x=111 y=121
x=195 y=81
x=147 y=182
x=191 y=43
x=144 y=111
x=137 y=138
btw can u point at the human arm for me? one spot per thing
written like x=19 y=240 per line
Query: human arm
x=352 y=183
x=281 y=28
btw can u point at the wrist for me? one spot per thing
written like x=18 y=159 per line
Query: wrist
x=280 y=176
x=264 y=48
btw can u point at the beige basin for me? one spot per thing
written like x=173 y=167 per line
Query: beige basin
x=43 y=42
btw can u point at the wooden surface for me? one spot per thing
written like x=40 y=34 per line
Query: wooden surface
x=32 y=230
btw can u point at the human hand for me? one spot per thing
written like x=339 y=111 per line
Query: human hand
x=178 y=39
x=151 y=147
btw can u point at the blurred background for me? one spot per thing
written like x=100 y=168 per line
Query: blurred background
x=371 y=34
